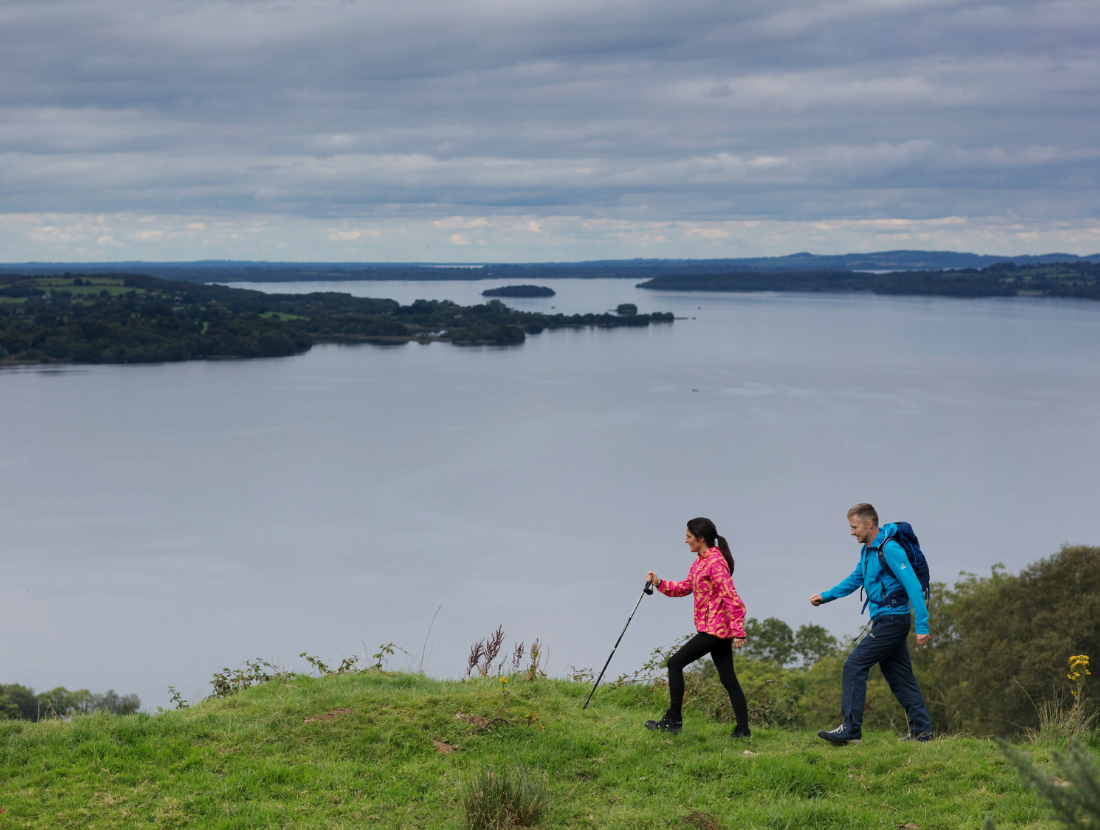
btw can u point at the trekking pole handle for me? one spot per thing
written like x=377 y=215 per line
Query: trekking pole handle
x=648 y=589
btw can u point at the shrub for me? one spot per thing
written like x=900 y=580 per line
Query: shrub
x=497 y=800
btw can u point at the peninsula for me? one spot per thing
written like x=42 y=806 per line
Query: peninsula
x=126 y=318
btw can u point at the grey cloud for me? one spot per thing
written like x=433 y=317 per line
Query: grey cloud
x=854 y=109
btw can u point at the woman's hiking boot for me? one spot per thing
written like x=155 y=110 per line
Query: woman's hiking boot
x=666 y=724
x=741 y=732
x=923 y=737
x=841 y=735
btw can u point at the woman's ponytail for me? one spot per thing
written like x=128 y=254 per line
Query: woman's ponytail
x=724 y=546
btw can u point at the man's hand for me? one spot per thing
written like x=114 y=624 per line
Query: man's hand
x=816 y=600
x=738 y=642
x=924 y=639
x=651 y=578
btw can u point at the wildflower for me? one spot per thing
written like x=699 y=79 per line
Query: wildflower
x=503 y=679
x=1078 y=663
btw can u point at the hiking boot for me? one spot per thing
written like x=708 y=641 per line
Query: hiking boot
x=923 y=737
x=666 y=724
x=741 y=732
x=841 y=735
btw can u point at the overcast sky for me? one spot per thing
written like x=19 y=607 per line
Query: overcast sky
x=485 y=130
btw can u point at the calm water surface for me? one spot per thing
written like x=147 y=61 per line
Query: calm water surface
x=161 y=522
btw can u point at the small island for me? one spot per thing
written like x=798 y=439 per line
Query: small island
x=519 y=291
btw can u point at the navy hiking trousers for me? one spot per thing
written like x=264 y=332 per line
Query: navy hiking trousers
x=886 y=646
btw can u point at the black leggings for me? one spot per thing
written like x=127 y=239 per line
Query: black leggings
x=721 y=651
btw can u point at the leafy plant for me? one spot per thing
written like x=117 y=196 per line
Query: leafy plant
x=768 y=709
x=654 y=671
x=581 y=675
x=347 y=665
x=175 y=697
x=1074 y=798
x=230 y=681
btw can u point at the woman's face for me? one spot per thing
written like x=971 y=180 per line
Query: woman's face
x=695 y=543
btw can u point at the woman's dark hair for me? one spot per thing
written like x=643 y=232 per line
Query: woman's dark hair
x=704 y=529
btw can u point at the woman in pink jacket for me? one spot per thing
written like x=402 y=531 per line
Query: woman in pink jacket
x=719 y=619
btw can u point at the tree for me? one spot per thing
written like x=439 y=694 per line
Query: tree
x=18 y=702
x=812 y=642
x=771 y=641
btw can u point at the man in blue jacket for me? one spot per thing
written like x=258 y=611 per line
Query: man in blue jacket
x=885 y=644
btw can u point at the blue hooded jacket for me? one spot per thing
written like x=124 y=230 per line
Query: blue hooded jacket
x=867 y=576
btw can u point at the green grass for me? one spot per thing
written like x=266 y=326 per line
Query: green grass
x=279 y=315
x=251 y=760
x=113 y=287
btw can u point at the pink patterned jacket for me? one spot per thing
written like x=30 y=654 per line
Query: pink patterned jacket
x=718 y=609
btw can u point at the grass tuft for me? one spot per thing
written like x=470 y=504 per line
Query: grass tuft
x=500 y=799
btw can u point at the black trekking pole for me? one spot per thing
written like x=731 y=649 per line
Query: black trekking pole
x=647 y=590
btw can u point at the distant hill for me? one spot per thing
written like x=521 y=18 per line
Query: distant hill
x=636 y=269
x=1078 y=280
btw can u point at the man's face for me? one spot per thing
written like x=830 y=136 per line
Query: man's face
x=863 y=529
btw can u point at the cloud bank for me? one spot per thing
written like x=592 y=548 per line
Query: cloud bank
x=488 y=130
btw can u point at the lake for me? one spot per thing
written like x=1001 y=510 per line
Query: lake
x=162 y=522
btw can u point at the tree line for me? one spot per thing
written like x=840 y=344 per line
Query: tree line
x=20 y=703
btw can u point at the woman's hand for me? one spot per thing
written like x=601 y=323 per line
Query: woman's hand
x=738 y=642
x=651 y=578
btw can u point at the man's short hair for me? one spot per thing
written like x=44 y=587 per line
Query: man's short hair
x=863 y=512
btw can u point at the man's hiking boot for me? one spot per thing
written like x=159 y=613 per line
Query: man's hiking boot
x=923 y=737
x=741 y=732
x=666 y=724
x=841 y=735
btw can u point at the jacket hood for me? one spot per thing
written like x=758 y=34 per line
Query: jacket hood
x=885 y=533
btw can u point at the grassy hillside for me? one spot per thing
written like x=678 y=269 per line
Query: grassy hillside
x=284 y=755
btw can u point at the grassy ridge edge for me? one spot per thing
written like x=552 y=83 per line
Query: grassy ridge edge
x=253 y=760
